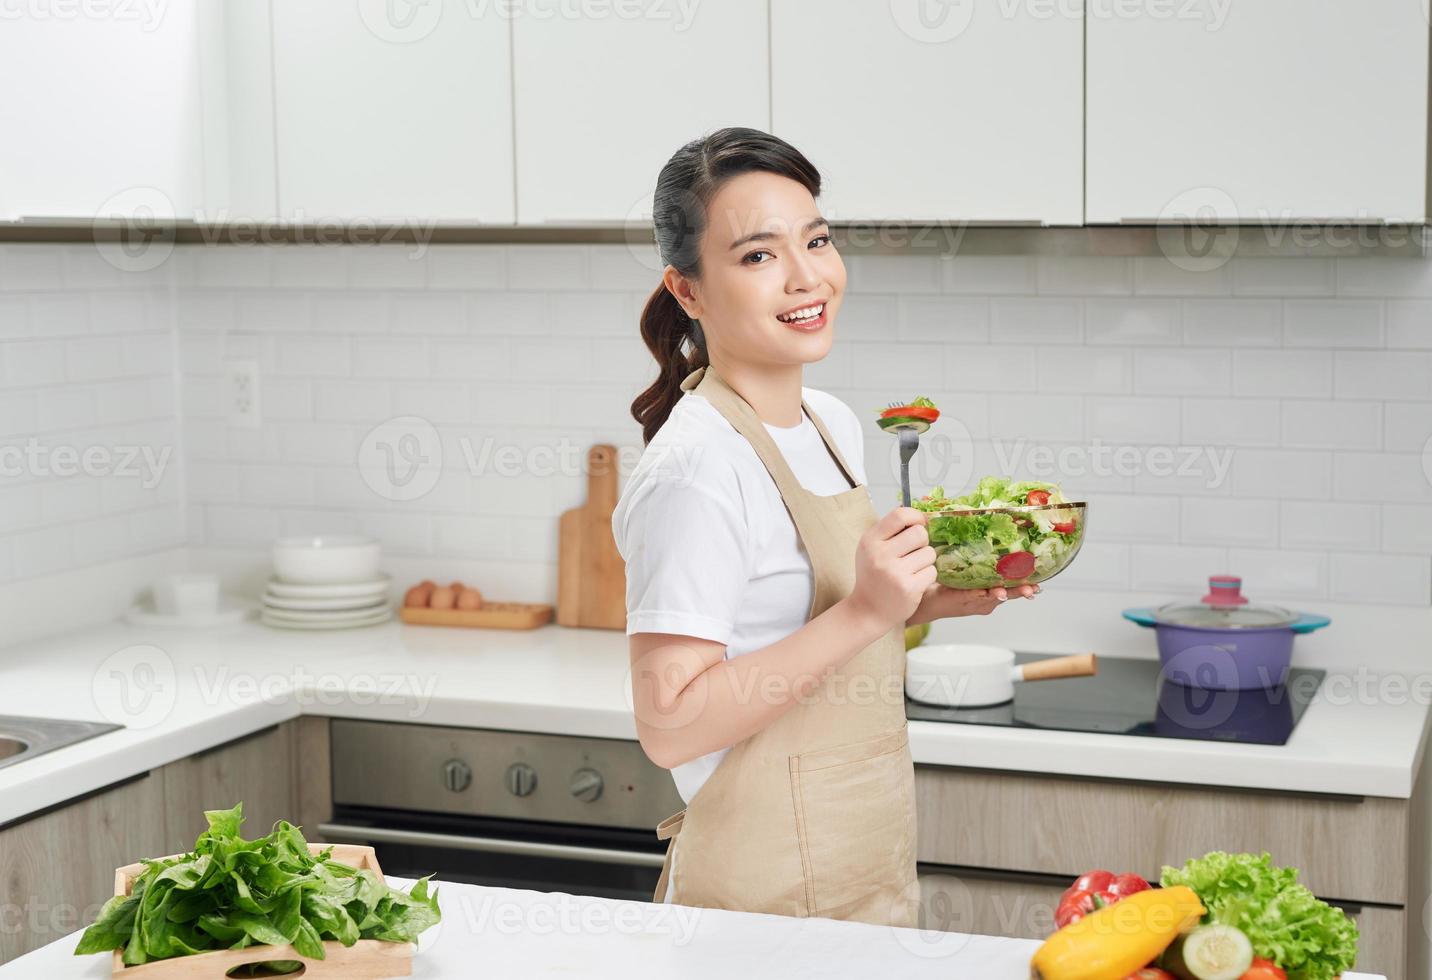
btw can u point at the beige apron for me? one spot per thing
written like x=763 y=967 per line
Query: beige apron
x=815 y=814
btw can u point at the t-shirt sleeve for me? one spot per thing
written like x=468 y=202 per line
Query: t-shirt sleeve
x=686 y=547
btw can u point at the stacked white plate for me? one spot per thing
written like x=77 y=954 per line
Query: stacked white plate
x=308 y=606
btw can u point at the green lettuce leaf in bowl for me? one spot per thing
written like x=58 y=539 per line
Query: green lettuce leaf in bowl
x=1004 y=532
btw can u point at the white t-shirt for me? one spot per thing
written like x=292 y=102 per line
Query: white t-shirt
x=710 y=549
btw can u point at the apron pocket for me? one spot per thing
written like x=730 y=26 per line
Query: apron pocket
x=855 y=819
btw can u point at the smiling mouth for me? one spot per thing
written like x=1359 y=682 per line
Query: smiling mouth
x=806 y=315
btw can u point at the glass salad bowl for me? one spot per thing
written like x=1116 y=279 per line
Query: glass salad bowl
x=1005 y=544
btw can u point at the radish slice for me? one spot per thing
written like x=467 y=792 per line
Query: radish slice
x=1016 y=564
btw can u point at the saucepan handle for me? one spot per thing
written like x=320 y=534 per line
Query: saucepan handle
x=1142 y=616
x=1074 y=665
x=1307 y=622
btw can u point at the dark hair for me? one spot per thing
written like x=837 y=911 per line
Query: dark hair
x=684 y=188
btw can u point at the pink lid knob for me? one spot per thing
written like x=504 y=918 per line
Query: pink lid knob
x=1225 y=590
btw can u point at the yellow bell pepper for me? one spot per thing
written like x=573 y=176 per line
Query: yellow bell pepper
x=1114 y=941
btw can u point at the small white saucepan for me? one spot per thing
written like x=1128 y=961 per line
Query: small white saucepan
x=964 y=675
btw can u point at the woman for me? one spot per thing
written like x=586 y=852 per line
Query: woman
x=766 y=603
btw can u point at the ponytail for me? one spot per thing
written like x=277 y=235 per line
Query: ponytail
x=665 y=327
x=686 y=184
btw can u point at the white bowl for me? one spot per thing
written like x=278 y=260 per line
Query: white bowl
x=326 y=559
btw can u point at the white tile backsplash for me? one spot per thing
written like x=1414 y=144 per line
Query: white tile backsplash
x=1271 y=417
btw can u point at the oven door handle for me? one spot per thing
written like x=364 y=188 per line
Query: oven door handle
x=493 y=845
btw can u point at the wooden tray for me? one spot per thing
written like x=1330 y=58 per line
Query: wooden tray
x=492 y=615
x=367 y=959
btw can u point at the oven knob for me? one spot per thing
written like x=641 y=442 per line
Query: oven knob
x=457 y=775
x=521 y=779
x=586 y=784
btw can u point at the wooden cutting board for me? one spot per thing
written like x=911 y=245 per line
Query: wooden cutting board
x=591 y=576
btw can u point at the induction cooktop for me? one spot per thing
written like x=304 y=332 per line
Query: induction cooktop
x=1132 y=697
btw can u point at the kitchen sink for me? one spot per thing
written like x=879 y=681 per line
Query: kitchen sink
x=25 y=738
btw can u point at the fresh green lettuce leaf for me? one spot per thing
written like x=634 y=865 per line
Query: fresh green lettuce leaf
x=1308 y=938
x=232 y=893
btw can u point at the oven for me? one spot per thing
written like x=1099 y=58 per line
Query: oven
x=551 y=813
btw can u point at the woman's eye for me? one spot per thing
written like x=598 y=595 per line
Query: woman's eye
x=821 y=238
x=754 y=254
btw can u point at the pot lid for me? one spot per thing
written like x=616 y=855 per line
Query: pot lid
x=1225 y=607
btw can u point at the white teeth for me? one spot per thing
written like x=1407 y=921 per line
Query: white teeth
x=809 y=313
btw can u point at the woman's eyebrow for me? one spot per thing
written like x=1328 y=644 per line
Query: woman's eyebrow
x=760 y=236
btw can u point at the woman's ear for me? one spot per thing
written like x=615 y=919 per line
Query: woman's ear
x=684 y=291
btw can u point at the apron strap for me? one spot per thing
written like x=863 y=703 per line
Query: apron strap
x=667 y=830
x=744 y=419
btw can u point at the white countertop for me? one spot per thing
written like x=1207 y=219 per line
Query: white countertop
x=180 y=691
x=505 y=932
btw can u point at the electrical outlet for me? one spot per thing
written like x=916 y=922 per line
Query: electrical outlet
x=242 y=385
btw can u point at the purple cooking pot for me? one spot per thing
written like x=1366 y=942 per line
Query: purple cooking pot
x=1221 y=642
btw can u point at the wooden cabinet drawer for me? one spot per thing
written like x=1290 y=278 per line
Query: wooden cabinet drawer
x=1350 y=848
x=988 y=903
x=1382 y=942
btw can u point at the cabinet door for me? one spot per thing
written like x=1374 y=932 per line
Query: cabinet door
x=256 y=770
x=988 y=903
x=603 y=100
x=392 y=111
x=1265 y=110
x=1383 y=941
x=58 y=869
x=973 y=115
x=1063 y=826
x=101 y=113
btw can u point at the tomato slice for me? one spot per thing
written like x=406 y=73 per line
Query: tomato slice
x=912 y=411
x=1016 y=564
x=1064 y=527
x=1037 y=498
x=1263 y=970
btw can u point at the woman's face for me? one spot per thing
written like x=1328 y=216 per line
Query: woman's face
x=766 y=253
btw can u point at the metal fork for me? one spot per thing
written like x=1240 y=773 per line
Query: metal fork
x=909 y=442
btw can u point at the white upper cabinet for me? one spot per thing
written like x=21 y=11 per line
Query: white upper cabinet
x=607 y=92
x=100 y=113
x=1258 y=110
x=393 y=110
x=969 y=111
x=236 y=92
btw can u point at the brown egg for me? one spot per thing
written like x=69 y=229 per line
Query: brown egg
x=469 y=599
x=442 y=598
x=419 y=594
